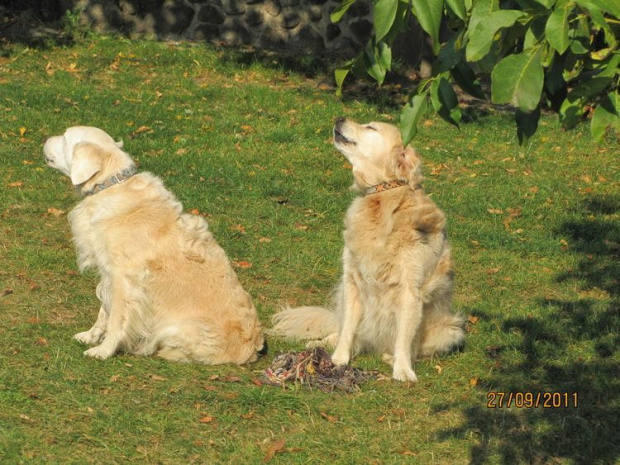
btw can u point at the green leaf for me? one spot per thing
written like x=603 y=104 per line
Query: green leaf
x=429 y=13
x=482 y=38
x=610 y=6
x=445 y=102
x=410 y=116
x=527 y=124
x=481 y=9
x=518 y=80
x=606 y=115
x=384 y=14
x=557 y=27
x=340 y=74
x=466 y=79
x=377 y=60
x=571 y=111
x=339 y=12
x=458 y=8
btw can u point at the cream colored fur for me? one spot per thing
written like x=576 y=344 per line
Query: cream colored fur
x=167 y=288
x=394 y=295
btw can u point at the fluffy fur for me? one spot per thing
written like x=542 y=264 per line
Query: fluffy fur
x=167 y=288
x=394 y=295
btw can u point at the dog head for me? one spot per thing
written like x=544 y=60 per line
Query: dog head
x=376 y=152
x=86 y=154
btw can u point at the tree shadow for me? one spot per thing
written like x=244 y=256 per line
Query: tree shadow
x=572 y=350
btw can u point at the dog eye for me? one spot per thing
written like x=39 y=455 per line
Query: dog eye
x=372 y=128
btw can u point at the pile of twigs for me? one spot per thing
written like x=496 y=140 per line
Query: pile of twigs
x=314 y=368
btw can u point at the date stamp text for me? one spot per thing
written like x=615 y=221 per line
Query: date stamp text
x=496 y=399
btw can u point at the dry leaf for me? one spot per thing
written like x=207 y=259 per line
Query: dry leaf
x=206 y=419
x=330 y=418
x=238 y=227
x=495 y=211
x=472 y=319
x=264 y=240
x=438 y=369
x=55 y=212
x=273 y=449
x=242 y=264
x=493 y=270
x=22 y=131
x=157 y=378
x=473 y=381
x=247 y=416
x=16 y=184
x=256 y=382
x=42 y=341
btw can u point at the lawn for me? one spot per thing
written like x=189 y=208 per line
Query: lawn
x=245 y=140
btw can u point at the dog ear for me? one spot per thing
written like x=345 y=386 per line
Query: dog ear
x=409 y=165
x=87 y=161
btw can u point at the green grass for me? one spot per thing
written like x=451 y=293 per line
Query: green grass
x=246 y=141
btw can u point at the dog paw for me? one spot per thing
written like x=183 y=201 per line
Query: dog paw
x=98 y=352
x=86 y=337
x=404 y=374
x=340 y=358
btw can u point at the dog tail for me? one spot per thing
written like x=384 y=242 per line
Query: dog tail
x=443 y=334
x=305 y=323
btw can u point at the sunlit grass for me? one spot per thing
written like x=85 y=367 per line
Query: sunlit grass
x=246 y=142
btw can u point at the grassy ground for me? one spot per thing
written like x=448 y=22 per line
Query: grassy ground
x=246 y=142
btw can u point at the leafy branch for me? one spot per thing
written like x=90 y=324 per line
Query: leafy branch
x=557 y=54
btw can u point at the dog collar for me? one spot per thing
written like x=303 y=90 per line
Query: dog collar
x=118 y=178
x=384 y=186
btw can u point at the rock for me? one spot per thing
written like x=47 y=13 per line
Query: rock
x=211 y=14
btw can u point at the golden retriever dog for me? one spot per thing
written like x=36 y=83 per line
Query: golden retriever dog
x=394 y=295
x=167 y=288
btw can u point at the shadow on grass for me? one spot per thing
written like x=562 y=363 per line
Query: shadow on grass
x=571 y=349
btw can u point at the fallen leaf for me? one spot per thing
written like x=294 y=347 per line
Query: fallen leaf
x=55 y=212
x=438 y=369
x=22 y=131
x=407 y=452
x=257 y=382
x=16 y=184
x=7 y=292
x=242 y=264
x=206 y=419
x=42 y=341
x=238 y=227
x=264 y=240
x=115 y=378
x=247 y=416
x=474 y=381
x=301 y=227
x=495 y=211
x=493 y=270
x=472 y=319
x=273 y=449
x=330 y=418
x=157 y=378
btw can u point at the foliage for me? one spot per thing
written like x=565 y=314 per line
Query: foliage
x=560 y=53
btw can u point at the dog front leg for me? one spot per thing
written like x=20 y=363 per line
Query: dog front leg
x=117 y=320
x=409 y=318
x=351 y=319
x=94 y=334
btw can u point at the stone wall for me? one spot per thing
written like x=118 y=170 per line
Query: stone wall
x=298 y=26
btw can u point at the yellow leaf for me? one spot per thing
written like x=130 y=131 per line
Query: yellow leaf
x=22 y=131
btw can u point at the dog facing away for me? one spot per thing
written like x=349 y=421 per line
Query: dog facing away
x=394 y=295
x=167 y=288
